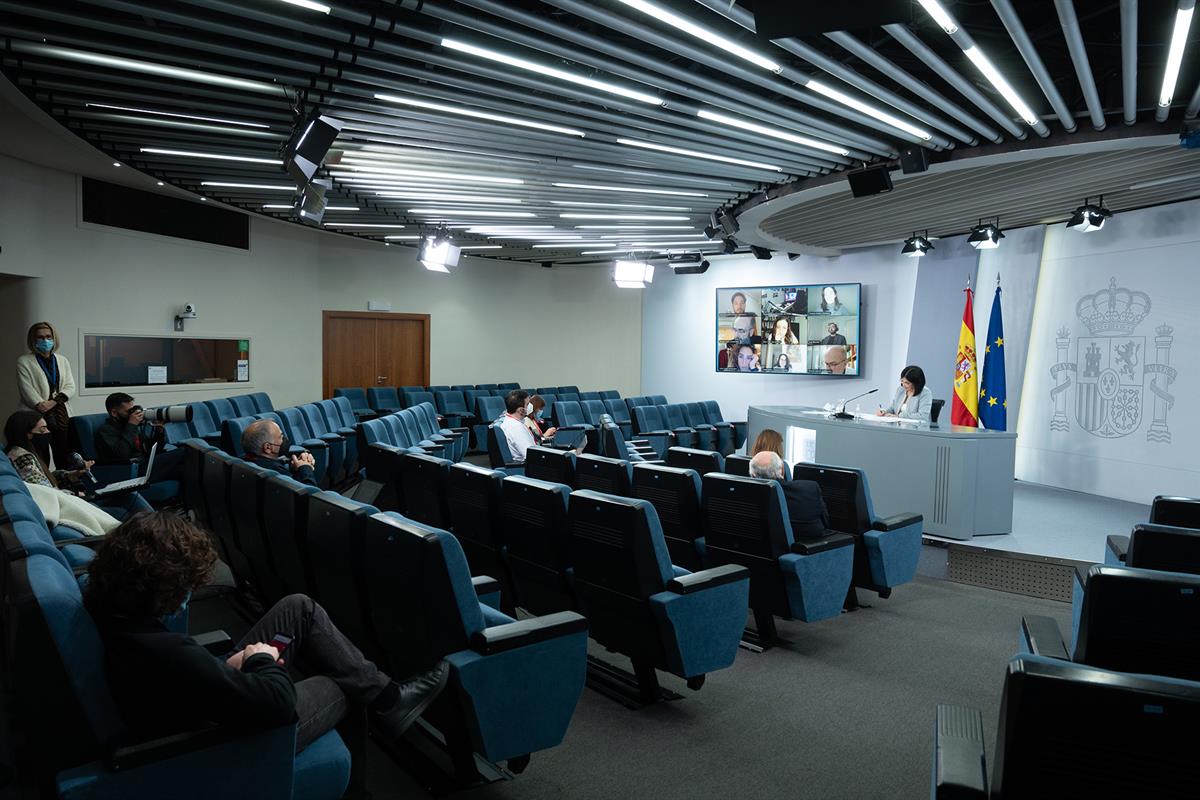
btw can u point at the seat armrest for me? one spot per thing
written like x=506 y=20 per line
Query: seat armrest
x=315 y=444
x=500 y=638
x=830 y=541
x=213 y=438
x=708 y=578
x=896 y=521
x=216 y=643
x=1119 y=546
x=959 y=761
x=142 y=753
x=485 y=584
x=1043 y=638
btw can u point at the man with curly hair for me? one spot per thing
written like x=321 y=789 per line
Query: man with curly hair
x=166 y=682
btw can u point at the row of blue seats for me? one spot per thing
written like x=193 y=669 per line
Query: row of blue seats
x=1130 y=673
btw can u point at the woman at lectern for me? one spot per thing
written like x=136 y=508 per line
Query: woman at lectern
x=913 y=399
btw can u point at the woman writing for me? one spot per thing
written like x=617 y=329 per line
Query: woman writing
x=45 y=383
x=913 y=399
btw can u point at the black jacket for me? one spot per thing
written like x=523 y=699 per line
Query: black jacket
x=119 y=441
x=165 y=683
x=806 y=508
x=304 y=474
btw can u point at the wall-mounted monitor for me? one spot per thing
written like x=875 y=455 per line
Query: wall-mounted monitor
x=802 y=329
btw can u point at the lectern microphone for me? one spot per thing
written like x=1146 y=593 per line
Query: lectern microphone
x=841 y=414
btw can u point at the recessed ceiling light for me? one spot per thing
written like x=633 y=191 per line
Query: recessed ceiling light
x=160 y=183
x=116 y=163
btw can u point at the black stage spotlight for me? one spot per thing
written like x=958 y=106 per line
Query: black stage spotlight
x=761 y=253
x=713 y=227
x=986 y=237
x=311 y=207
x=916 y=245
x=688 y=263
x=308 y=145
x=728 y=245
x=728 y=222
x=1088 y=217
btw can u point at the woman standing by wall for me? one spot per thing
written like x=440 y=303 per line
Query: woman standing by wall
x=45 y=382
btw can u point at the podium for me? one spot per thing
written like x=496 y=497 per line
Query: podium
x=960 y=479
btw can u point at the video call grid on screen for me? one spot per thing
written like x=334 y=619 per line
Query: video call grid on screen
x=806 y=329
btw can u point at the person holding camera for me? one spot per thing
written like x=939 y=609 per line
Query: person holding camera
x=126 y=435
x=265 y=445
x=45 y=383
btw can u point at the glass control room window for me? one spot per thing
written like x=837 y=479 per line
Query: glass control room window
x=124 y=360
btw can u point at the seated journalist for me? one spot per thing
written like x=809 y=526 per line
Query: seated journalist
x=166 y=683
x=806 y=507
x=265 y=445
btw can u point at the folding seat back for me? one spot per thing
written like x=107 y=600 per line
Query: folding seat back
x=345 y=411
x=85 y=427
x=203 y=424
x=247 y=483
x=244 y=405
x=487 y=387
x=471 y=395
x=343 y=451
x=551 y=398
x=462 y=387
x=335 y=547
x=499 y=456
x=437 y=387
x=383 y=398
x=193 y=479
x=609 y=475
x=403 y=389
x=592 y=410
x=567 y=390
x=1180 y=512
x=675 y=494
x=217 y=469
x=221 y=409
x=702 y=461
x=489 y=409
x=549 y=464
x=648 y=419
x=414 y=426
x=329 y=452
x=424 y=480
x=453 y=406
x=1143 y=621
x=886 y=551
x=568 y=414
x=712 y=411
x=745 y=521
x=567 y=396
x=588 y=396
x=510 y=699
x=285 y=529
x=231 y=434
x=740 y=465
x=473 y=497
x=1164 y=547
x=610 y=394
x=413 y=398
x=456 y=444
x=508 y=387
x=26 y=539
x=262 y=401
x=545 y=390
x=334 y=420
x=694 y=414
x=674 y=415
x=534 y=517
x=657 y=399
x=634 y=401
x=357 y=397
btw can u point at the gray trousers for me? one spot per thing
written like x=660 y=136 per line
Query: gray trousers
x=340 y=674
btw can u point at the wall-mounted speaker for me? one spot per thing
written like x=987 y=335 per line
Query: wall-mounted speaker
x=914 y=159
x=866 y=182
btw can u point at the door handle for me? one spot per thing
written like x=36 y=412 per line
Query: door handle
x=382 y=379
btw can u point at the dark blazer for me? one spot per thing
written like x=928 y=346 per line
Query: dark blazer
x=304 y=474
x=806 y=509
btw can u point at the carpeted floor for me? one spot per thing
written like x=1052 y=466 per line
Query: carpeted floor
x=845 y=710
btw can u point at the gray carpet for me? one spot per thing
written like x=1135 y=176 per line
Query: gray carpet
x=845 y=710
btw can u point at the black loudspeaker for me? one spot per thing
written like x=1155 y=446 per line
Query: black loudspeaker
x=691 y=269
x=308 y=147
x=778 y=19
x=914 y=159
x=867 y=182
x=761 y=253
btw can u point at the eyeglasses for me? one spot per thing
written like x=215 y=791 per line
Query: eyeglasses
x=832 y=364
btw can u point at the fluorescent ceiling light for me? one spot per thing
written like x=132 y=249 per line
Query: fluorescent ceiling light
x=609 y=251
x=178 y=116
x=993 y=75
x=566 y=245
x=869 y=110
x=437 y=176
x=562 y=75
x=660 y=217
x=274 y=187
x=161 y=151
x=469 y=212
x=637 y=227
x=1183 y=21
x=670 y=244
x=773 y=132
x=151 y=68
x=443 y=197
x=704 y=34
x=698 y=154
x=469 y=112
x=495 y=228
x=616 y=205
x=480 y=247
x=940 y=15
x=362 y=225
x=632 y=189
x=403 y=237
x=311 y=6
x=285 y=206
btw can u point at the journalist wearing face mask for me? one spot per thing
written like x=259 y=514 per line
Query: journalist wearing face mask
x=535 y=408
x=45 y=383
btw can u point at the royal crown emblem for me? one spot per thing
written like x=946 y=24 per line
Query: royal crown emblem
x=1109 y=398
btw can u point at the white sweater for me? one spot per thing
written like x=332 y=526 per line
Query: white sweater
x=32 y=383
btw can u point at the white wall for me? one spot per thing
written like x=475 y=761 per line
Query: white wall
x=1153 y=252
x=679 y=329
x=491 y=321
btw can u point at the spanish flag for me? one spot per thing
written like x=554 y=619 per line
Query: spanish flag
x=965 y=408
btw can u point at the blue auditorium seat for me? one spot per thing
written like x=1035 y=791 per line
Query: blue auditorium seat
x=499 y=455
x=358 y=400
x=382 y=442
x=675 y=494
x=411 y=397
x=551 y=399
x=1045 y=700
x=550 y=464
x=610 y=394
x=534 y=515
x=740 y=465
x=545 y=390
x=657 y=399
x=712 y=412
x=462 y=387
x=24 y=538
x=639 y=604
x=218 y=466
x=486 y=387
x=568 y=417
x=262 y=402
x=402 y=389
x=221 y=409
x=609 y=475
x=244 y=405
x=409 y=426
x=345 y=411
x=488 y=409
x=571 y=396
x=19 y=505
x=383 y=399
x=886 y=551
x=437 y=388
x=593 y=411
x=335 y=420
x=74 y=731
x=567 y=390
x=247 y=483
x=343 y=450
x=329 y=450
x=589 y=396
x=651 y=425
x=634 y=401
x=204 y=425
x=425 y=479
x=703 y=461
x=1180 y=512
x=675 y=417
x=452 y=405
x=85 y=426
x=285 y=525
x=473 y=496
x=745 y=521
x=614 y=445
x=514 y=684
x=708 y=437
x=427 y=420
x=508 y=387
x=334 y=537
x=620 y=414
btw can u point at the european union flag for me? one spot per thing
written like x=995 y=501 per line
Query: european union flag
x=993 y=398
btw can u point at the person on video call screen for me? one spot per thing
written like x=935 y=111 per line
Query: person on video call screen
x=747 y=358
x=832 y=335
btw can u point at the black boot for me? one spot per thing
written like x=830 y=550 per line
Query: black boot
x=412 y=698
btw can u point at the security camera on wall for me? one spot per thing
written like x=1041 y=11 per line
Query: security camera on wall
x=188 y=311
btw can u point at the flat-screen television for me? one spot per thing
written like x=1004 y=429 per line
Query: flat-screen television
x=810 y=329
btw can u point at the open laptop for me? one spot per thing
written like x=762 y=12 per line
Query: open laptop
x=132 y=483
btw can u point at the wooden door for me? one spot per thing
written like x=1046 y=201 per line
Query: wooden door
x=374 y=349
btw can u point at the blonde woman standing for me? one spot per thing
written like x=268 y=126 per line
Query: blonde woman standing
x=45 y=382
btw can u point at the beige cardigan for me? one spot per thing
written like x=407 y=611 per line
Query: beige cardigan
x=32 y=383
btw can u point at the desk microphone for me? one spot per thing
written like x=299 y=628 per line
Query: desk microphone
x=78 y=462
x=841 y=414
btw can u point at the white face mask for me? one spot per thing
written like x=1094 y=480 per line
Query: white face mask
x=529 y=409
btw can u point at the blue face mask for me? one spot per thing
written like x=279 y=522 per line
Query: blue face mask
x=44 y=345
